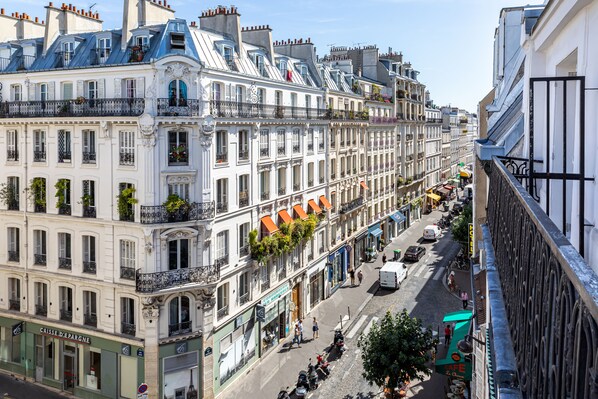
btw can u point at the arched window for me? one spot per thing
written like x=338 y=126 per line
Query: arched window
x=179 y=316
x=177 y=93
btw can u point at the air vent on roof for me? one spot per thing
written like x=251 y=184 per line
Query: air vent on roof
x=177 y=40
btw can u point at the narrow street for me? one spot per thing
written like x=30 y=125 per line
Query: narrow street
x=19 y=389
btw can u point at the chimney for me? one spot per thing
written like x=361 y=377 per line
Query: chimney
x=66 y=20
x=260 y=36
x=8 y=27
x=19 y=26
x=138 y=13
x=225 y=22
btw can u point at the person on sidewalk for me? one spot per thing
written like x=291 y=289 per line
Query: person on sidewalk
x=447 y=335
x=300 y=324
x=315 y=329
x=360 y=276
x=384 y=259
x=352 y=276
x=465 y=299
x=296 y=336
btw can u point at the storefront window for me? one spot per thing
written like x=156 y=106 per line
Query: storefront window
x=16 y=349
x=236 y=349
x=181 y=376
x=49 y=355
x=316 y=283
x=10 y=347
x=92 y=367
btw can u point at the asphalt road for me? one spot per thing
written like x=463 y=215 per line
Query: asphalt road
x=422 y=294
x=19 y=389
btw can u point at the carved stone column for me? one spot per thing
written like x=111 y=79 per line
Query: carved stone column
x=207 y=303
x=147 y=126
x=205 y=140
x=151 y=316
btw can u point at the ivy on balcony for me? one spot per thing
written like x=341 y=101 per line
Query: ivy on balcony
x=283 y=241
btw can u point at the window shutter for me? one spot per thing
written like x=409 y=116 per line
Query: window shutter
x=117 y=88
x=80 y=91
x=101 y=88
x=140 y=88
x=51 y=90
x=31 y=94
x=228 y=91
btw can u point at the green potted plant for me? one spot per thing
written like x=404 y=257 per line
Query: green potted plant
x=62 y=187
x=80 y=100
x=8 y=195
x=37 y=193
x=176 y=207
x=125 y=202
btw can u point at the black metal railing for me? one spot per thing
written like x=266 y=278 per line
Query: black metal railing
x=434 y=120
x=128 y=328
x=89 y=211
x=90 y=320
x=64 y=155
x=89 y=266
x=243 y=155
x=234 y=109
x=13 y=256
x=296 y=148
x=310 y=147
x=281 y=150
x=351 y=205
x=550 y=293
x=89 y=157
x=12 y=155
x=39 y=156
x=296 y=186
x=244 y=298
x=244 y=250
x=127 y=273
x=282 y=190
x=243 y=198
x=14 y=304
x=265 y=152
x=73 y=108
x=65 y=263
x=151 y=214
x=153 y=282
x=222 y=261
x=39 y=208
x=12 y=204
x=221 y=207
x=383 y=120
x=222 y=312
x=321 y=146
x=178 y=107
x=222 y=157
x=64 y=209
x=179 y=328
x=265 y=196
x=126 y=158
x=41 y=310
x=39 y=259
x=66 y=315
x=265 y=285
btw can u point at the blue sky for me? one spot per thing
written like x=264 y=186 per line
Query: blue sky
x=448 y=41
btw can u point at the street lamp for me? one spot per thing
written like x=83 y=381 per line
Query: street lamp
x=465 y=345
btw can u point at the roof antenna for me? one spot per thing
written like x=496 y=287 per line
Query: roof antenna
x=92 y=6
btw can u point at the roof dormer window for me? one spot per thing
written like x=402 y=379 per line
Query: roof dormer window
x=304 y=73
x=142 y=40
x=103 y=49
x=177 y=40
x=67 y=53
x=260 y=64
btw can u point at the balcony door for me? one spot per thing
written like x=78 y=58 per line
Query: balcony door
x=178 y=254
x=177 y=93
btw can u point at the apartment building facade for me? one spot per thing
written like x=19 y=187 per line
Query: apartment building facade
x=433 y=154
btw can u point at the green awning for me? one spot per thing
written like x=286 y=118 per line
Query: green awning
x=455 y=365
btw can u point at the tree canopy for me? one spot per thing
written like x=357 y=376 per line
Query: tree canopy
x=397 y=350
x=460 y=227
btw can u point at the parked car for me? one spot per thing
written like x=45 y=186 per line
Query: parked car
x=415 y=253
x=432 y=232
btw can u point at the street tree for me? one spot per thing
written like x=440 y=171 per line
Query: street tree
x=396 y=351
x=460 y=227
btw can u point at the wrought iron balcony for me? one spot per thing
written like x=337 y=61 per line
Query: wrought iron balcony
x=265 y=196
x=89 y=157
x=222 y=312
x=321 y=180
x=265 y=285
x=13 y=204
x=39 y=259
x=244 y=298
x=64 y=209
x=244 y=250
x=126 y=158
x=222 y=157
x=127 y=273
x=179 y=328
x=14 y=304
x=310 y=147
x=128 y=328
x=64 y=155
x=265 y=152
x=41 y=310
x=321 y=146
x=90 y=320
x=243 y=155
x=383 y=120
x=39 y=156
x=13 y=256
x=89 y=267
x=281 y=151
x=65 y=263
x=296 y=148
x=66 y=315
x=296 y=187
x=243 y=198
x=157 y=281
x=310 y=182
x=351 y=205
x=221 y=207
x=79 y=107
x=282 y=190
x=222 y=261
x=12 y=155
x=234 y=109
x=89 y=211
x=154 y=214
x=282 y=273
x=178 y=107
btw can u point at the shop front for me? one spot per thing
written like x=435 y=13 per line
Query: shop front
x=180 y=363
x=337 y=268
x=406 y=212
x=359 y=249
x=85 y=365
x=375 y=236
x=275 y=327
x=317 y=281
x=235 y=348
x=396 y=222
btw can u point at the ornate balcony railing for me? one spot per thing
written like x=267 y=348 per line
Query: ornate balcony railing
x=222 y=312
x=243 y=198
x=265 y=285
x=383 y=120
x=89 y=211
x=39 y=259
x=41 y=310
x=178 y=107
x=13 y=204
x=89 y=267
x=64 y=209
x=153 y=282
x=234 y=109
x=282 y=273
x=136 y=53
x=73 y=108
x=179 y=328
x=282 y=190
x=39 y=156
x=153 y=214
x=90 y=320
x=12 y=155
x=14 y=304
x=128 y=328
x=281 y=150
x=244 y=298
x=265 y=152
x=13 y=256
x=126 y=158
x=65 y=263
x=550 y=294
x=244 y=250
x=351 y=205
x=89 y=157
x=265 y=196
x=127 y=273
x=66 y=315
x=222 y=261
x=221 y=207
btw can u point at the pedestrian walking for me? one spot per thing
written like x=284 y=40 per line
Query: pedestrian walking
x=315 y=329
x=360 y=276
x=447 y=335
x=384 y=259
x=465 y=299
x=296 y=336
x=352 y=276
x=300 y=324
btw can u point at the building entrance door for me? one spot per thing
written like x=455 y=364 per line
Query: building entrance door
x=69 y=362
x=296 y=299
x=39 y=358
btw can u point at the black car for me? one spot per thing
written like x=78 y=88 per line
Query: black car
x=415 y=253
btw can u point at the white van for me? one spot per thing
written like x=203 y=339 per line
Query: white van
x=391 y=274
x=468 y=191
x=432 y=232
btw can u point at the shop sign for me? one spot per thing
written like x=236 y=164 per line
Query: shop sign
x=140 y=352
x=65 y=335
x=18 y=329
x=125 y=349
x=280 y=291
x=208 y=351
x=470 y=240
x=260 y=313
x=181 y=347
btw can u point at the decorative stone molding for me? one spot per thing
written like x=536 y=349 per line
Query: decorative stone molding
x=206 y=298
x=177 y=70
x=151 y=307
x=105 y=129
x=178 y=234
x=147 y=127
x=255 y=130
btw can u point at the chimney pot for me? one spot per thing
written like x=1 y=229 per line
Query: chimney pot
x=50 y=4
x=2 y=11
x=168 y=6
x=36 y=18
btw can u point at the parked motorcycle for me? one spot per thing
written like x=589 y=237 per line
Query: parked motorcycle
x=312 y=374
x=284 y=393
x=339 y=341
x=322 y=364
x=302 y=385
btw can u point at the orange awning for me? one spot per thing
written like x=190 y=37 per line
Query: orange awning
x=325 y=202
x=365 y=186
x=314 y=207
x=284 y=215
x=269 y=224
x=300 y=212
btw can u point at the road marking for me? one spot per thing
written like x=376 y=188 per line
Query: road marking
x=345 y=319
x=429 y=273
x=420 y=270
x=367 y=328
x=353 y=331
x=438 y=274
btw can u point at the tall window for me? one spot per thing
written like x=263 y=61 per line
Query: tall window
x=265 y=143
x=265 y=185
x=68 y=51
x=127 y=316
x=12 y=193
x=64 y=146
x=90 y=309
x=14 y=245
x=12 y=145
x=178 y=254
x=64 y=251
x=283 y=67
x=89 y=254
x=14 y=294
x=282 y=180
x=216 y=91
x=92 y=92
x=130 y=88
x=39 y=146
x=243 y=239
x=296 y=141
x=297 y=177
x=43 y=92
x=310 y=140
x=281 y=142
x=89 y=198
x=222 y=248
x=222 y=299
x=66 y=303
x=243 y=190
x=221 y=195
x=310 y=174
x=177 y=93
x=179 y=316
x=89 y=146
x=244 y=281
x=321 y=171
x=127 y=259
x=178 y=148
x=243 y=145
x=15 y=93
x=39 y=247
x=221 y=146
x=67 y=91
x=41 y=299
x=63 y=192
x=126 y=144
x=103 y=49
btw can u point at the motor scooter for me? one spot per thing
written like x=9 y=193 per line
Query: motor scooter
x=339 y=341
x=312 y=374
x=322 y=364
x=302 y=385
x=284 y=393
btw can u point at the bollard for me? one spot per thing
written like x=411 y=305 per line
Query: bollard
x=340 y=316
x=349 y=312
